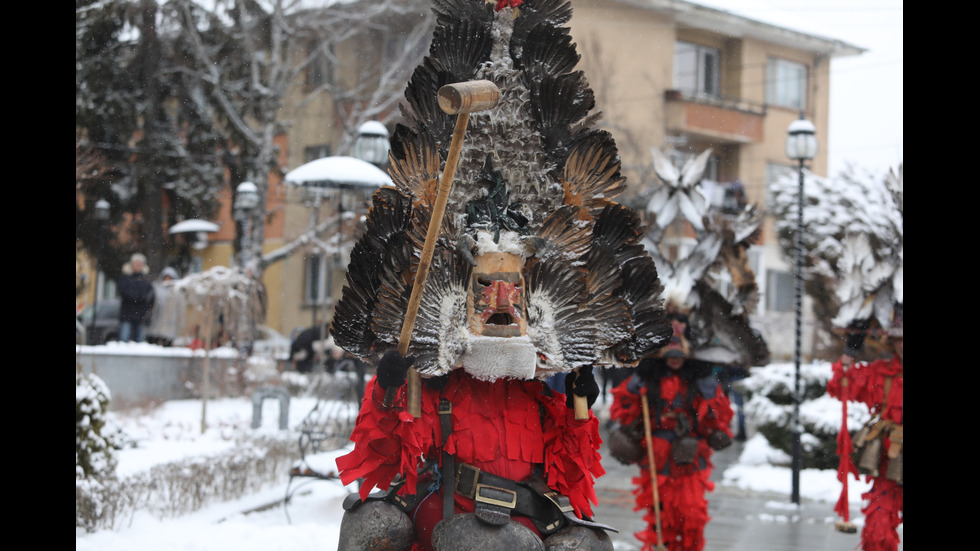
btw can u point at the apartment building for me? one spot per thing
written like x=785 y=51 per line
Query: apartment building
x=685 y=78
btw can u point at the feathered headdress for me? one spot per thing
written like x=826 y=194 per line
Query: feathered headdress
x=720 y=329
x=872 y=268
x=533 y=178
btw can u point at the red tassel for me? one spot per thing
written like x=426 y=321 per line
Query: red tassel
x=844 y=449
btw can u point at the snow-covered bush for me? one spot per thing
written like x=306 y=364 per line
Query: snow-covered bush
x=768 y=396
x=95 y=446
x=94 y=442
x=173 y=489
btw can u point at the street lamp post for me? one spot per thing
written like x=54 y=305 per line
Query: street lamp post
x=371 y=146
x=361 y=173
x=101 y=216
x=372 y=143
x=246 y=199
x=801 y=146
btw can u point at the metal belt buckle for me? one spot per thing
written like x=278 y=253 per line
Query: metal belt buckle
x=400 y=501
x=562 y=502
x=475 y=476
x=482 y=498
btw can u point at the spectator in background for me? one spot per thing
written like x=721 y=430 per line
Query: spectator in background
x=307 y=351
x=169 y=309
x=728 y=375
x=136 y=299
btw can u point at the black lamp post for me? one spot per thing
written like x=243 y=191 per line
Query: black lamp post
x=331 y=178
x=246 y=199
x=101 y=217
x=372 y=146
x=801 y=146
x=372 y=143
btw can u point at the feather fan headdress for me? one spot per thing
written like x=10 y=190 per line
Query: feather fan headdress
x=532 y=176
x=872 y=267
x=720 y=329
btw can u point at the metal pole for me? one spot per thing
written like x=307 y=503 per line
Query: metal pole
x=95 y=295
x=797 y=427
x=244 y=258
x=334 y=261
x=315 y=220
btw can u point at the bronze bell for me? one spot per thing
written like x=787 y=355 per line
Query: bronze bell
x=895 y=468
x=870 y=457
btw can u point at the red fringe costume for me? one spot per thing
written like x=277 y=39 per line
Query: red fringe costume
x=681 y=488
x=508 y=427
x=884 y=511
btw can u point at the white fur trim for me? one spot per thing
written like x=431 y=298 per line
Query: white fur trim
x=509 y=242
x=492 y=358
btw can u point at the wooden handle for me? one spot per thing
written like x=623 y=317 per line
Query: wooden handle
x=428 y=249
x=653 y=468
x=580 y=403
x=581 y=407
x=463 y=98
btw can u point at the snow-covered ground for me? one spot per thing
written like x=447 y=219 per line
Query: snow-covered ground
x=311 y=520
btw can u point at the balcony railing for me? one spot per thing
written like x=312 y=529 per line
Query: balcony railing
x=736 y=104
x=727 y=119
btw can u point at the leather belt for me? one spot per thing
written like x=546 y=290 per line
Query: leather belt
x=496 y=498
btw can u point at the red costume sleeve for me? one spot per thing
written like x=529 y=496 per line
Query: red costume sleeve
x=386 y=443
x=714 y=413
x=572 y=459
x=626 y=409
x=626 y=406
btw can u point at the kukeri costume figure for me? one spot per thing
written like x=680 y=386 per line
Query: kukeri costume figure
x=871 y=294
x=688 y=416
x=880 y=444
x=536 y=270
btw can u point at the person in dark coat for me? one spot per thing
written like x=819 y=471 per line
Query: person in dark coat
x=308 y=345
x=136 y=299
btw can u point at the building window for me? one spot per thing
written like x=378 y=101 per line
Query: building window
x=696 y=69
x=315 y=152
x=320 y=70
x=316 y=280
x=780 y=294
x=786 y=84
x=400 y=50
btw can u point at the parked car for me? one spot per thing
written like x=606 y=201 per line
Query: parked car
x=106 y=326
x=269 y=342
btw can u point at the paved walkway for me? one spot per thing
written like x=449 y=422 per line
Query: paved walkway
x=740 y=520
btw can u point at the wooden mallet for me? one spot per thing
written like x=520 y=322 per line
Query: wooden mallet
x=458 y=99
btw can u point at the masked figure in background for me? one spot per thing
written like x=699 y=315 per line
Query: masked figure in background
x=880 y=453
x=689 y=418
x=536 y=271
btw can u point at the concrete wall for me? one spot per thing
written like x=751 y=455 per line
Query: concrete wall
x=140 y=373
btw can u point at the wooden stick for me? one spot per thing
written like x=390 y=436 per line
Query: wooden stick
x=581 y=403
x=653 y=469
x=462 y=98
